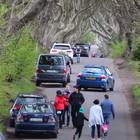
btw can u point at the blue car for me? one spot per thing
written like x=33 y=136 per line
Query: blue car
x=19 y=101
x=96 y=76
x=37 y=118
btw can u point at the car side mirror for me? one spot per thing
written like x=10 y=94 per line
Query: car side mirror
x=11 y=101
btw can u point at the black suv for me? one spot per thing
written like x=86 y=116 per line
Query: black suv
x=85 y=49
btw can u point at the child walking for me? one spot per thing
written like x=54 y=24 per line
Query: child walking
x=79 y=123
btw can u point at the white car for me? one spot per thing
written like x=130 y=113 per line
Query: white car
x=62 y=48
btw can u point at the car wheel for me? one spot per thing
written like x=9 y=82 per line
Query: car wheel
x=17 y=134
x=112 y=88
x=85 y=88
x=64 y=84
x=38 y=83
x=11 y=123
x=55 y=135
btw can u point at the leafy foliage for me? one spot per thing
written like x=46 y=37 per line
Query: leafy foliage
x=136 y=51
x=88 y=37
x=136 y=93
x=117 y=49
x=17 y=67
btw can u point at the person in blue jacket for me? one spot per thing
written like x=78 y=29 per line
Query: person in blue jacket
x=107 y=109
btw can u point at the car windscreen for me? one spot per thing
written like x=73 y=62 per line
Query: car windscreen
x=36 y=108
x=94 y=70
x=25 y=100
x=51 y=60
x=61 y=47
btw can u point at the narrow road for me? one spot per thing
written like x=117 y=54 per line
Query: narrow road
x=121 y=128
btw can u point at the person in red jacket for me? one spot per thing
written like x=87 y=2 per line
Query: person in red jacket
x=67 y=107
x=59 y=104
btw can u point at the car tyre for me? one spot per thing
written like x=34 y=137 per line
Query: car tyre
x=64 y=84
x=112 y=88
x=11 y=123
x=38 y=83
x=17 y=134
x=55 y=135
x=85 y=89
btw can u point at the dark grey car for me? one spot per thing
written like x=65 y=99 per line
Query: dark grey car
x=52 y=68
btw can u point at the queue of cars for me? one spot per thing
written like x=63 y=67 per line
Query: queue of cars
x=32 y=113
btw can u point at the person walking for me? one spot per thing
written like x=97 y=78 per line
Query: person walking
x=76 y=99
x=59 y=104
x=78 y=51
x=108 y=109
x=96 y=119
x=67 y=107
x=79 y=123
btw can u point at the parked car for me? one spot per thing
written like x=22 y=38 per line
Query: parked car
x=52 y=68
x=96 y=76
x=62 y=48
x=19 y=101
x=85 y=49
x=37 y=118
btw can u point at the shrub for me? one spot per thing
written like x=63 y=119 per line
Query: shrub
x=136 y=93
x=136 y=51
x=117 y=49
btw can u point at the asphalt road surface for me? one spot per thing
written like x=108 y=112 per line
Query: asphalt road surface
x=120 y=129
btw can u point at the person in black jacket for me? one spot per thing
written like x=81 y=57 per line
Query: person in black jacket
x=79 y=123
x=76 y=99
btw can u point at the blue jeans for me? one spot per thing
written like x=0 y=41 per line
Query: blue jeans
x=106 y=118
x=78 y=58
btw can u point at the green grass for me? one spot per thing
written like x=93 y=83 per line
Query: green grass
x=17 y=67
x=117 y=49
x=136 y=94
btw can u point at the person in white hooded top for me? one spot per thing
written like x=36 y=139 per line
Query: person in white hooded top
x=95 y=119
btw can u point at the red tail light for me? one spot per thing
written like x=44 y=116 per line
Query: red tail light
x=65 y=71
x=103 y=77
x=17 y=107
x=51 y=119
x=79 y=75
x=20 y=118
x=38 y=70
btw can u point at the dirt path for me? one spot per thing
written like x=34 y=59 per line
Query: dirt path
x=128 y=81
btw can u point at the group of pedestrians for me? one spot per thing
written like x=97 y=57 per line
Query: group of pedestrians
x=67 y=102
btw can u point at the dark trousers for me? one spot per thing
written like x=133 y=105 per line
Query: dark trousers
x=60 y=117
x=93 y=130
x=66 y=114
x=74 y=112
x=79 y=130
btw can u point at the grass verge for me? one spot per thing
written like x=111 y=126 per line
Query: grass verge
x=136 y=93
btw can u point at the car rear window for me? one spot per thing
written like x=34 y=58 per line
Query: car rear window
x=62 y=47
x=36 y=108
x=94 y=70
x=25 y=100
x=51 y=60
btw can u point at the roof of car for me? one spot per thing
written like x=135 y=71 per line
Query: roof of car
x=93 y=65
x=61 y=44
x=30 y=95
x=52 y=54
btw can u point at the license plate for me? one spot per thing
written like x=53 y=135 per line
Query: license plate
x=91 y=78
x=36 y=119
x=51 y=71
